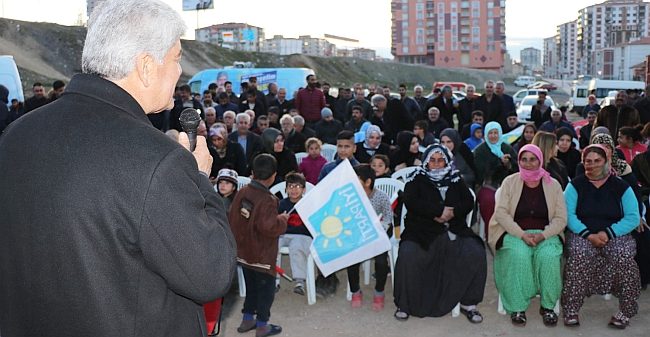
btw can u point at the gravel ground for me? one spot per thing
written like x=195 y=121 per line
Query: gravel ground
x=333 y=316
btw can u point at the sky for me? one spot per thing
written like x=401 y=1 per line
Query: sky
x=527 y=22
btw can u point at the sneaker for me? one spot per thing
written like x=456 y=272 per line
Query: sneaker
x=268 y=330
x=357 y=300
x=299 y=289
x=378 y=303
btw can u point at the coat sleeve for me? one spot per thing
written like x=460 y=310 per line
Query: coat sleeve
x=184 y=234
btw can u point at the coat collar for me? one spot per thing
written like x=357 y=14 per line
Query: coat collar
x=105 y=91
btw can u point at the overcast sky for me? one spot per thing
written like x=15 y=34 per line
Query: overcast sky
x=527 y=22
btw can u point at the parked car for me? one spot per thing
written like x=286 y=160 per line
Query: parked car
x=526 y=105
x=457 y=96
x=519 y=95
x=543 y=85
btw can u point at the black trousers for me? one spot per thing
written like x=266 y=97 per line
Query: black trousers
x=260 y=293
x=381 y=273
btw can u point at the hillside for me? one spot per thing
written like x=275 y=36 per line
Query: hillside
x=46 y=52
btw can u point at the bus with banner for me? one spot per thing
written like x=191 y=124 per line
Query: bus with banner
x=290 y=78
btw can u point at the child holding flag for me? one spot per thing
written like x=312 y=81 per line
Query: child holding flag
x=381 y=204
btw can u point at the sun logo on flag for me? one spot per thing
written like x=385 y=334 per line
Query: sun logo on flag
x=332 y=226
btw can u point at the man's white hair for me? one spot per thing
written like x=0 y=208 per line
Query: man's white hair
x=242 y=115
x=120 y=30
x=287 y=117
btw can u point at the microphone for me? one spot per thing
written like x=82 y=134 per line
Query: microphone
x=190 y=120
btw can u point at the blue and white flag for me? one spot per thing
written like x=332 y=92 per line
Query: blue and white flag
x=344 y=225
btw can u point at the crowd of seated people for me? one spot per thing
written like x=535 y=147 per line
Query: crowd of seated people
x=550 y=193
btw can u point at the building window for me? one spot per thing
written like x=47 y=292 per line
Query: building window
x=405 y=40
x=405 y=16
x=490 y=31
x=441 y=7
x=475 y=47
x=419 y=23
x=405 y=49
x=464 y=4
x=405 y=33
x=441 y=46
x=490 y=22
x=490 y=47
x=490 y=14
x=476 y=37
x=405 y=6
x=490 y=4
x=420 y=49
x=405 y=24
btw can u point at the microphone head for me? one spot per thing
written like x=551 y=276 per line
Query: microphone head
x=190 y=120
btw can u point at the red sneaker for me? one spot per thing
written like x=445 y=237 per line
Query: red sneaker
x=378 y=303
x=357 y=300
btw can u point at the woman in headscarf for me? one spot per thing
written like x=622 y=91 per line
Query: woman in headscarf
x=567 y=151
x=408 y=152
x=624 y=171
x=602 y=212
x=526 y=234
x=441 y=262
x=273 y=144
x=494 y=160
x=371 y=145
x=224 y=152
x=463 y=157
x=547 y=143
x=476 y=136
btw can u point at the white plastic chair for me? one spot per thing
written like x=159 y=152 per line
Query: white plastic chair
x=242 y=181
x=403 y=173
x=328 y=151
x=390 y=186
x=300 y=156
x=311 y=278
x=279 y=187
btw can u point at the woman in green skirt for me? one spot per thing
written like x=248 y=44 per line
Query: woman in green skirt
x=526 y=234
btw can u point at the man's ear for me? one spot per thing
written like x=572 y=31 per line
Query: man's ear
x=144 y=67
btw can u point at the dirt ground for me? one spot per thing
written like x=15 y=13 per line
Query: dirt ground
x=333 y=316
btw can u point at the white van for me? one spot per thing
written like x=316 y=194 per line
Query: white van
x=10 y=78
x=524 y=81
x=578 y=99
x=603 y=87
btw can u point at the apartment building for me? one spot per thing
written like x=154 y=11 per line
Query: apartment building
x=607 y=24
x=530 y=57
x=449 y=33
x=237 y=36
x=549 y=57
x=567 y=50
x=304 y=44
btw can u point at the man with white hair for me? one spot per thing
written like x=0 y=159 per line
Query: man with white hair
x=422 y=101
x=247 y=139
x=229 y=120
x=294 y=141
x=137 y=250
x=299 y=123
x=210 y=117
x=556 y=122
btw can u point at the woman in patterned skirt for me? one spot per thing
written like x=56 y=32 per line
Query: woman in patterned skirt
x=525 y=234
x=602 y=211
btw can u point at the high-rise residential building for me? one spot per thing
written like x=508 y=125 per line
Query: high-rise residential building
x=607 y=24
x=304 y=44
x=550 y=57
x=237 y=36
x=530 y=57
x=449 y=33
x=567 y=50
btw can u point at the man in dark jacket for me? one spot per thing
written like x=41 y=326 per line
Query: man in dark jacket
x=38 y=100
x=491 y=105
x=540 y=112
x=466 y=107
x=508 y=101
x=252 y=84
x=128 y=237
x=616 y=116
x=357 y=120
x=445 y=104
x=642 y=106
x=331 y=102
x=293 y=140
x=250 y=142
x=359 y=100
x=395 y=115
x=186 y=101
x=328 y=127
x=281 y=102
